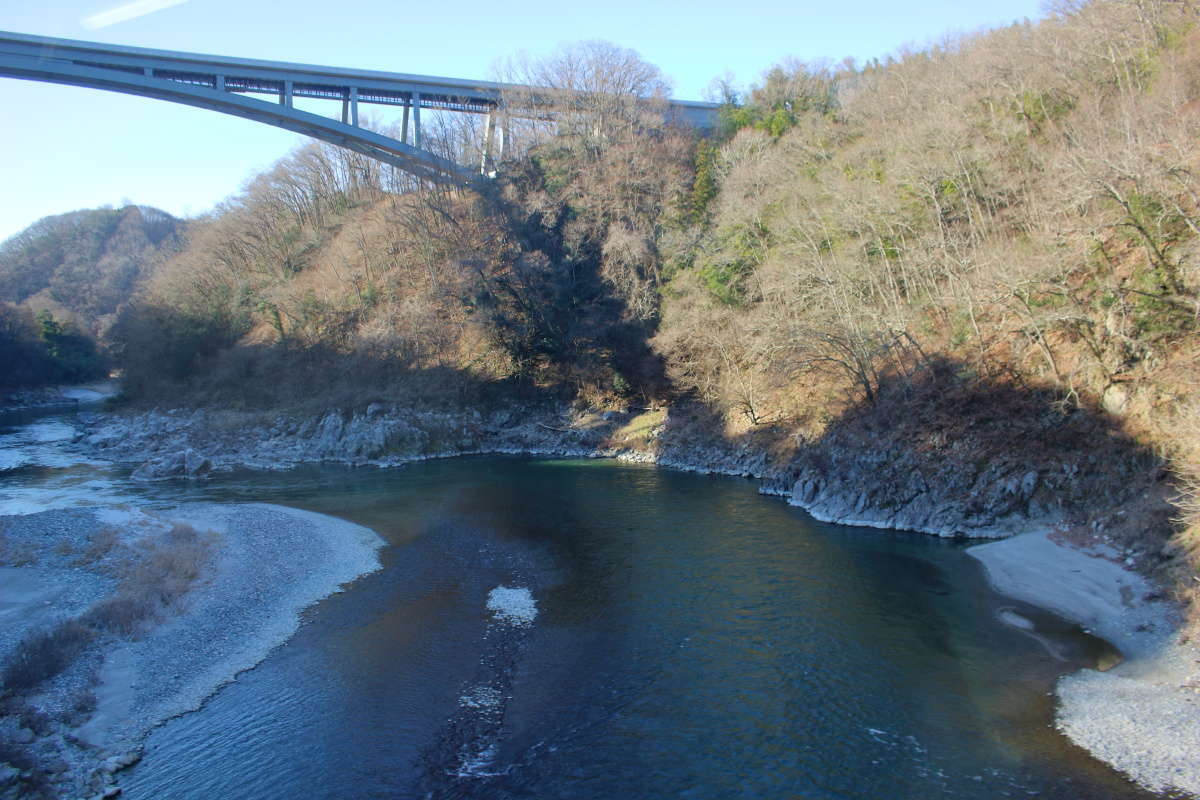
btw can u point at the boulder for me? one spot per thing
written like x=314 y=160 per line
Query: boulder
x=180 y=464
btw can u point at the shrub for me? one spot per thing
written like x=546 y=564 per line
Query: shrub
x=160 y=574
x=44 y=654
x=121 y=615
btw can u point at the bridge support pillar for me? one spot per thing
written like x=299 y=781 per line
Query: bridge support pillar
x=416 y=107
x=219 y=83
x=489 y=130
x=285 y=94
x=351 y=104
x=404 y=125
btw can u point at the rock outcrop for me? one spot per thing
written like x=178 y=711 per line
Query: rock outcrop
x=847 y=477
x=185 y=464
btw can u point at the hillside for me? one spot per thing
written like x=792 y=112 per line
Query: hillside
x=85 y=264
x=971 y=263
x=62 y=282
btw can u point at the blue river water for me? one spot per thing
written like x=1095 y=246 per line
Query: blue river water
x=691 y=639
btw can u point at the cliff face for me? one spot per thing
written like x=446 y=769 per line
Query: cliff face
x=970 y=458
x=889 y=487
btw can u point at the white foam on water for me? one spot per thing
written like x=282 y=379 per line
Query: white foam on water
x=483 y=697
x=41 y=444
x=1010 y=617
x=475 y=765
x=11 y=459
x=512 y=605
x=84 y=394
x=50 y=431
x=34 y=499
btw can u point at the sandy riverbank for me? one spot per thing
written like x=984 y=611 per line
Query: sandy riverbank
x=271 y=563
x=1142 y=716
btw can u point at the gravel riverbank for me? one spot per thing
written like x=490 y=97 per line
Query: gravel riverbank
x=1142 y=716
x=270 y=563
x=273 y=563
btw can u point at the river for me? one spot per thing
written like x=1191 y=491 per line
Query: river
x=687 y=637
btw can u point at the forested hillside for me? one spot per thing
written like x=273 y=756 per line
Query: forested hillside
x=87 y=263
x=986 y=249
x=62 y=282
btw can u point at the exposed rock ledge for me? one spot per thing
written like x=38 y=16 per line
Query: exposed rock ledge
x=848 y=482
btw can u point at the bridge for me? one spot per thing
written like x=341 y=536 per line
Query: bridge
x=224 y=84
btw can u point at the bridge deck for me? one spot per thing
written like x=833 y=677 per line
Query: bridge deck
x=221 y=83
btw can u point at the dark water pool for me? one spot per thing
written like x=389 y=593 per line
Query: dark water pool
x=692 y=639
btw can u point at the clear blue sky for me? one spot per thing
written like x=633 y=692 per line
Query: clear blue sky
x=67 y=148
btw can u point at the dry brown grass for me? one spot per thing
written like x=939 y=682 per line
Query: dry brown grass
x=44 y=654
x=160 y=571
x=637 y=432
x=157 y=572
x=1187 y=539
x=100 y=545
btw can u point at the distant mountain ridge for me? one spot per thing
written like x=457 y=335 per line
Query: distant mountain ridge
x=88 y=262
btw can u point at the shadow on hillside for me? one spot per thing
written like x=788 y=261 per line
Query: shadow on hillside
x=944 y=409
x=319 y=377
x=945 y=430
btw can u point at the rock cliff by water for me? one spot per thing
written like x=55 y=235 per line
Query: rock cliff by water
x=847 y=477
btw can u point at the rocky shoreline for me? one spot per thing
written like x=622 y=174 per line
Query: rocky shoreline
x=844 y=482
x=841 y=481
